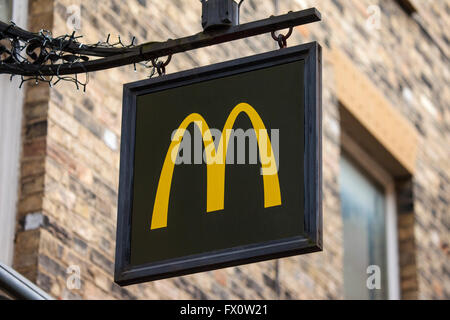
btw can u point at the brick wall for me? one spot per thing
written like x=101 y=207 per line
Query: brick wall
x=70 y=161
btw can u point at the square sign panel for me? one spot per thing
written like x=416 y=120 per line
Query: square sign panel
x=221 y=166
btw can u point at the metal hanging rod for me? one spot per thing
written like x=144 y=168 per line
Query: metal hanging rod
x=116 y=57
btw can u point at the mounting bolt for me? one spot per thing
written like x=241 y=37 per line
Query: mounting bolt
x=219 y=14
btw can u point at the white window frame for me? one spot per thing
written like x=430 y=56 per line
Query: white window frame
x=381 y=176
x=11 y=106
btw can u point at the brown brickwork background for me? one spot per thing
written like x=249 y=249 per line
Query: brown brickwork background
x=71 y=140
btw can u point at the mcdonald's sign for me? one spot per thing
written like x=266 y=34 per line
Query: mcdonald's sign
x=221 y=166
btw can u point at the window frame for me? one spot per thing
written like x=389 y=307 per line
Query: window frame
x=12 y=105
x=386 y=181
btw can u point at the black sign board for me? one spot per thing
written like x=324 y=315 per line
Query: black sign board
x=221 y=166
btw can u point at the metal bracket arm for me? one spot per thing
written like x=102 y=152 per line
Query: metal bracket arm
x=153 y=50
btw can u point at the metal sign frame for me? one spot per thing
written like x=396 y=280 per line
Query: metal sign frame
x=311 y=241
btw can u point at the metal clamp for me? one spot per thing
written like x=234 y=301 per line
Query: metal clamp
x=217 y=14
x=281 y=38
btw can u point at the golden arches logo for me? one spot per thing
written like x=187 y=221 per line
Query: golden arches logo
x=215 y=162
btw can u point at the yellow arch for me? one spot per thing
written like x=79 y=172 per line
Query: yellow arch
x=161 y=206
x=215 y=162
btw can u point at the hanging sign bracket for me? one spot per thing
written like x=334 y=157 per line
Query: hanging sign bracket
x=117 y=57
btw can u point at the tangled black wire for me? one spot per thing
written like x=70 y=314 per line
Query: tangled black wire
x=25 y=52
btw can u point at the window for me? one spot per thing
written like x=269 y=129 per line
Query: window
x=369 y=225
x=5 y=10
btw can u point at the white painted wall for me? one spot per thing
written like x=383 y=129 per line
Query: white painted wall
x=5 y=10
x=11 y=102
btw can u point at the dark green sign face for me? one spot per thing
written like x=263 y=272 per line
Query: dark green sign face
x=276 y=93
x=215 y=163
